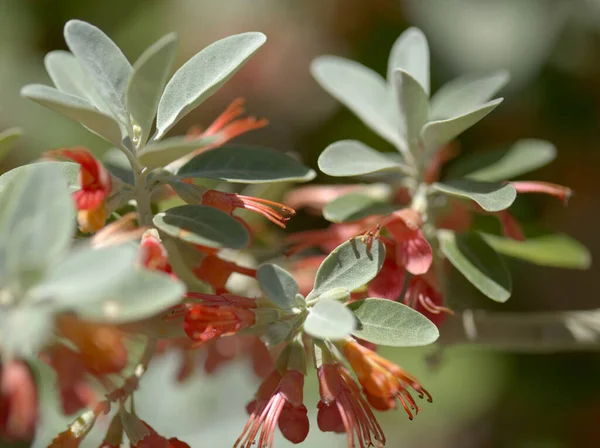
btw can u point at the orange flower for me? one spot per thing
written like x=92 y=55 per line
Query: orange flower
x=153 y=255
x=382 y=380
x=279 y=401
x=343 y=409
x=277 y=213
x=18 y=401
x=423 y=296
x=216 y=271
x=96 y=185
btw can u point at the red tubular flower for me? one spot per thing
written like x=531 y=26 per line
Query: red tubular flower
x=389 y=282
x=153 y=255
x=558 y=191
x=279 y=400
x=277 y=213
x=425 y=298
x=218 y=316
x=510 y=226
x=96 y=185
x=216 y=271
x=18 y=401
x=382 y=380
x=343 y=409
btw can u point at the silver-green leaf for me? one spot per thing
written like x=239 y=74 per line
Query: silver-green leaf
x=7 y=139
x=329 y=319
x=354 y=206
x=413 y=105
x=410 y=53
x=353 y=158
x=160 y=154
x=491 y=196
x=278 y=285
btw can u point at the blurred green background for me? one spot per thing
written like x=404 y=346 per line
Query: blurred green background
x=552 y=49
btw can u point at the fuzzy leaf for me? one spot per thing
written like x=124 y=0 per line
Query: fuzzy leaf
x=278 y=285
x=68 y=170
x=413 y=104
x=385 y=322
x=76 y=109
x=150 y=75
x=353 y=158
x=329 y=319
x=491 y=196
x=7 y=140
x=350 y=265
x=361 y=90
x=437 y=133
x=505 y=164
x=160 y=154
x=203 y=225
x=554 y=250
x=410 y=53
x=478 y=262
x=464 y=94
x=248 y=165
x=202 y=76
x=104 y=62
x=354 y=206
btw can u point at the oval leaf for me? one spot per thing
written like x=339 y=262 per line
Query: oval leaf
x=76 y=109
x=413 y=105
x=203 y=225
x=7 y=140
x=278 y=285
x=354 y=206
x=353 y=158
x=478 y=262
x=202 y=76
x=491 y=196
x=361 y=90
x=464 y=94
x=104 y=62
x=68 y=170
x=410 y=53
x=329 y=319
x=505 y=164
x=385 y=322
x=437 y=133
x=350 y=265
x=251 y=165
x=160 y=154
x=554 y=250
x=150 y=75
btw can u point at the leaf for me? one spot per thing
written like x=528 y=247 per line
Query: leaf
x=413 y=104
x=68 y=76
x=437 y=133
x=117 y=163
x=278 y=285
x=329 y=319
x=25 y=330
x=190 y=193
x=554 y=250
x=385 y=322
x=104 y=63
x=478 y=262
x=37 y=221
x=7 y=140
x=76 y=109
x=160 y=154
x=410 y=53
x=354 y=206
x=249 y=165
x=202 y=76
x=466 y=93
x=504 y=164
x=361 y=90
x=353 y=158
x=278 y=332
x=203 y=225
x=150 y=75
x=491 y=196
x=68 y=170
x=350 y=265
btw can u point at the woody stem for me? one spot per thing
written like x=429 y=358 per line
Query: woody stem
x=142 y=196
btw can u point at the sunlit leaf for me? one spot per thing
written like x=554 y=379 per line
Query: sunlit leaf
x=555 y=250
x=505 y=164
x=385 y=322
x=76 y=109
x=478 y=262
x=361 y=90
x=329 y=319
x=353 y=158
x=160 y=154
x=491 y=196
x=202 y=76
x=250 y=165
x=413 y=105
x=278 y=285
x=354 y=206
x=350 y=265
x=150 y=75
x=410 y=53
x=203 y=225
x=464 y=94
